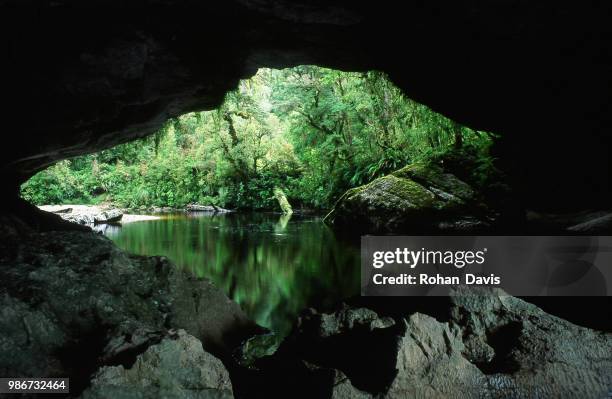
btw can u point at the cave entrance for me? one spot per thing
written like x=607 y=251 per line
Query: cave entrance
x=309 y=133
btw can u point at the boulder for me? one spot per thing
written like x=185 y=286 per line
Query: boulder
x=200 y=208
x=87 y=219
x=205 y=208
x=344 y=320
x=418 y=197
x=176 y=367
x=71 y=302
x=599 y=225
x=86 y=214
x=430 y=363
x=108 y=216
x=552 y=223
x=528 y=352
x=255 y=348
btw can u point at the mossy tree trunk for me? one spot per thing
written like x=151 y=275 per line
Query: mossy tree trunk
x=282 y=201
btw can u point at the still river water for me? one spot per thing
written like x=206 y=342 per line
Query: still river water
x=272 y=265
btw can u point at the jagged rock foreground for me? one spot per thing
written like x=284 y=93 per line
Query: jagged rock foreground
x=492 y=346
x=72 y=304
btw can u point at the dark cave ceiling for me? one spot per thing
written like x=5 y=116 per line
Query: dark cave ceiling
x=82 y=76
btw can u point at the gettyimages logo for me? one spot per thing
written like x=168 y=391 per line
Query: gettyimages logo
x=520 y=265
x=412 y=259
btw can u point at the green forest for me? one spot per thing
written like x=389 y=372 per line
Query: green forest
x=310 y=131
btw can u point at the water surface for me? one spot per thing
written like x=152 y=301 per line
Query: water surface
x=272 y=265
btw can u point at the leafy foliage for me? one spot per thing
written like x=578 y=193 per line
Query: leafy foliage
x=314 y=132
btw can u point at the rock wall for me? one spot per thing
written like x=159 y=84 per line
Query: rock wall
x=71 y=301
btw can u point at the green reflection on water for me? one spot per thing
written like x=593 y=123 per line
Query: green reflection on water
x=273 y=266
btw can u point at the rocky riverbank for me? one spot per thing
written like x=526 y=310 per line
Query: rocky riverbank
x=88 y=215
x=427 y=198
x=92 y=215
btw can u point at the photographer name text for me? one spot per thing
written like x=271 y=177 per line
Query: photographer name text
x=412 y=259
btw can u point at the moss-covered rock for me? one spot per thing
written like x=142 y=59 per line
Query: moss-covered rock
x=434 y=178
x=419 y=197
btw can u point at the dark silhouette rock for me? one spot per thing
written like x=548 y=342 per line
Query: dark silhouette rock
x=599 y=225
x=493 y=345
x=72 y=301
